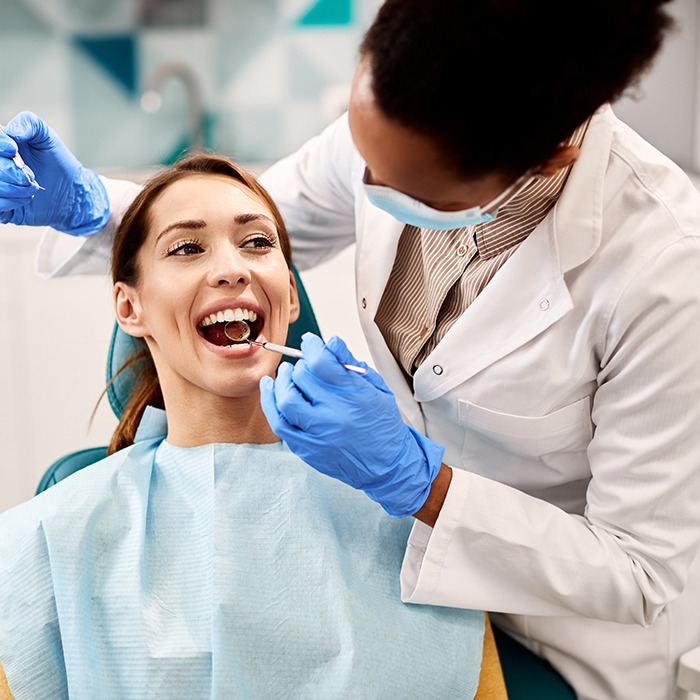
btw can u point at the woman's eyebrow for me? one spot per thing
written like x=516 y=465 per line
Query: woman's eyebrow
x=195 y=224
x=188 y=224
x=247 y=218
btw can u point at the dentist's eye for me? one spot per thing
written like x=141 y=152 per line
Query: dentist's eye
x=185 y=248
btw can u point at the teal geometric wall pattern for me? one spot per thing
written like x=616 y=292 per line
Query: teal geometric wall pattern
x=325 y=13
x=116 y=55
x=268 y=71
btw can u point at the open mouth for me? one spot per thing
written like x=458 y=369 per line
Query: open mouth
x=213 y=327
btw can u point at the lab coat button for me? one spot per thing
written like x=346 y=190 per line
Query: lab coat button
x=364 y=303
x=544 y=304
x=437 y=369
x=462 y=251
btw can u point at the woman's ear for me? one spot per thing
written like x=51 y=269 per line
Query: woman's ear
x=128 y=310
x=293 y=298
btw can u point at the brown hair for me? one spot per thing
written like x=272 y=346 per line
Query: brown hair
x=129 y=238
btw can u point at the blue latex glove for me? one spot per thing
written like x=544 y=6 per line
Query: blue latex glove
x=348 y=426
x=74 y=199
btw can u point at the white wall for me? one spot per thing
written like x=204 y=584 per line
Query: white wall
x=665 y=108
x=53 y=347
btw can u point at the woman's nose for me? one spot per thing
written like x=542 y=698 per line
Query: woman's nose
x=228 y=268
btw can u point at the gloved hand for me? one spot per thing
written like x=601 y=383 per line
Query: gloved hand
x=348 y=426
x=74 y=199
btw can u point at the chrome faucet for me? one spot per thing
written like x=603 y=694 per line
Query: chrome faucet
x=151 y=98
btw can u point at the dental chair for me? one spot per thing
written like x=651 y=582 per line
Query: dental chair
x=527 y=676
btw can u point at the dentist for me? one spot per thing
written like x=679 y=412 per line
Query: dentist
x=527 y=279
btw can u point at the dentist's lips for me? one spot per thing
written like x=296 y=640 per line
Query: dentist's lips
x=215 y=334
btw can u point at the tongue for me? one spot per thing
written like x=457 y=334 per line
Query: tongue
x=216 y=336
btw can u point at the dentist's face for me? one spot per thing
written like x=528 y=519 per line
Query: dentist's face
x=408 y=161
x=212 y=251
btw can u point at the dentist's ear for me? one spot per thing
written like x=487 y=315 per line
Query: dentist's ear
x=128 y=310
x=563 y=157
x=294 y=307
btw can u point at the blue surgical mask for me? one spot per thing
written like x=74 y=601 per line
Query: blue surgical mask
x=410 y=211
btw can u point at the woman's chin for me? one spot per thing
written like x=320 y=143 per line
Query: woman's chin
x=245 y=384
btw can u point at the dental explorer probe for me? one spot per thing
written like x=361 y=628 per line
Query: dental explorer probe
x=243 y=337
x=19 y=162
x=293 y=352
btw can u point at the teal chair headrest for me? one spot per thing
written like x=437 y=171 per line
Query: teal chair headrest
x=123 y=347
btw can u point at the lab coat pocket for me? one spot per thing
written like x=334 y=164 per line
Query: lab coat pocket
x=506 y=442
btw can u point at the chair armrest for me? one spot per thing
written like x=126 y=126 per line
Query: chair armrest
x=689 y=671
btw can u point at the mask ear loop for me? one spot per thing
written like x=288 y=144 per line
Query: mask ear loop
x=523 y=182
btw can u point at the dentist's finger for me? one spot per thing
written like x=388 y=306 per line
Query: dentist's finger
x=284 y=406
x=27 y=127
x=323 y=364
x=11 y=173
x=8 y=147
x=277 y=421
x=293 y=403
x=15 y=196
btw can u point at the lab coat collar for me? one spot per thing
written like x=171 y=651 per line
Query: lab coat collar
x=578 y=212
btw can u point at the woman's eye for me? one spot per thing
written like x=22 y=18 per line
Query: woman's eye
x=185 y=248
x=259 y=242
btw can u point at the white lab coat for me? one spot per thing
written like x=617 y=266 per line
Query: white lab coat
x=568 y=400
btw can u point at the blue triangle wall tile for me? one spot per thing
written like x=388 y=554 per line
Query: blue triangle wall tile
x=324 y=13
x=116 y=55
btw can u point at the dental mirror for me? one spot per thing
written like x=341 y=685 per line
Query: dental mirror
x=239 y=333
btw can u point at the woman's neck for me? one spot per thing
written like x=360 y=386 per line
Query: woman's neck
x=217 y=419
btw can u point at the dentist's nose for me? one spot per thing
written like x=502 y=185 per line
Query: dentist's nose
x=229 y=268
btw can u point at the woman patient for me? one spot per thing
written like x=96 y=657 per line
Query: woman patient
x=202 y=559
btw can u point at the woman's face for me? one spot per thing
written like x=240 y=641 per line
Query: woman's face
x=212 y=248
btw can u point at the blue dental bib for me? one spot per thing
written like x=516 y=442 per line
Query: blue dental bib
x=222 y=571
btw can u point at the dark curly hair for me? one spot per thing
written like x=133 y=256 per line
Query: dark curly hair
x=501 y=83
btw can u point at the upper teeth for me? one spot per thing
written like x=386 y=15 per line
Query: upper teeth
x=230 y=315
